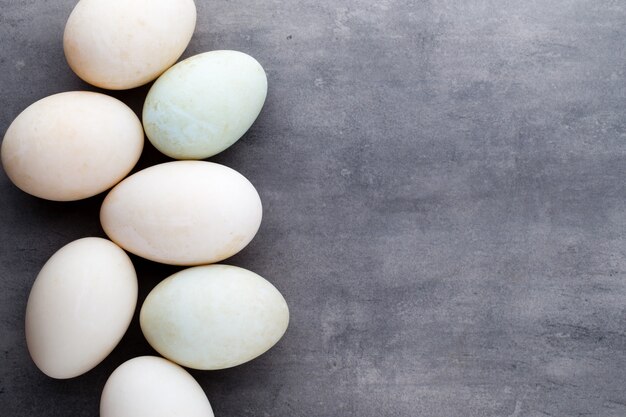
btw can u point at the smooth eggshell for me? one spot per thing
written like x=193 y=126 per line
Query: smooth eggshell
x=72 y=145
x=183 y=213
x=213 y=317
x=80 y=307
x=153 y=387
x=204 y=104
x=121 y=44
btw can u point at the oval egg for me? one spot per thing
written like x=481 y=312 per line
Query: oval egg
x=121 y=44
x=79 y=307
x=183 y=213
x=204 y=104
x=213 y=317
x=72 y=145
x=148 y=386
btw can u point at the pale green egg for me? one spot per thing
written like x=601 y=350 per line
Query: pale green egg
x=204 y=104
x=213 y=317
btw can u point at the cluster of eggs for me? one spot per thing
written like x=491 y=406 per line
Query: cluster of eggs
x=75 y=145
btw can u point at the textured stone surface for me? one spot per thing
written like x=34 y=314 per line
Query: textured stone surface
x=445 y=211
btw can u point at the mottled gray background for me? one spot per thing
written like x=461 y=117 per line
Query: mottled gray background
x=445 y=207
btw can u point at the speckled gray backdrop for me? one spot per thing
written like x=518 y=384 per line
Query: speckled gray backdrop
x=445 y=208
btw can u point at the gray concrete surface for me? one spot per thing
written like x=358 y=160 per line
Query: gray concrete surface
x=444 y=198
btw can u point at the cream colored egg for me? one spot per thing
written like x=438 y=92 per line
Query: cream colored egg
x=214 y=317
x=71 y=146
x=121 y=44
x=153 y=387
x=204 y=104
x=183 y=213
x=80 y=307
